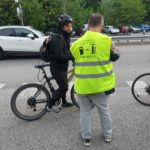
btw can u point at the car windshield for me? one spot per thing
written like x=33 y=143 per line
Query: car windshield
x=39 y=33
x=111 y=27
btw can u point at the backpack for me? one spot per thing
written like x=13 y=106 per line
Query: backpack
x=45 y=53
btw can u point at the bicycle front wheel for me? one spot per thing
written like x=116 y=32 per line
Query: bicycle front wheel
x=29 y=101
x=141 y=89
x=74 y=97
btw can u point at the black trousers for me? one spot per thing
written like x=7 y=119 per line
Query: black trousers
x=61 y=78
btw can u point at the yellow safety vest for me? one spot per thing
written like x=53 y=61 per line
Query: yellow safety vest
x=93 y=68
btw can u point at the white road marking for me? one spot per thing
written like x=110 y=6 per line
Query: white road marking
x=2 y=85
x=129 y=83
x=139 y=84
x=139 y=87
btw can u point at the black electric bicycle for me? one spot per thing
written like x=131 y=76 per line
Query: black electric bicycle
x=29 y=101
x=141 y=89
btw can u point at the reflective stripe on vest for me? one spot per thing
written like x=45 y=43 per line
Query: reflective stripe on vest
x=98 y=63
x=94 y=75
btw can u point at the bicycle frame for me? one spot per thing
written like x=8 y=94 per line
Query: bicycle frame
x=48 y=79
x=71 y=75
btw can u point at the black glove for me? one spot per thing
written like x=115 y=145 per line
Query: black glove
x=114 y=56
x=71 y=57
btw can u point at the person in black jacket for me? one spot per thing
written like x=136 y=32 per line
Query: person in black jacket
x=60 y=44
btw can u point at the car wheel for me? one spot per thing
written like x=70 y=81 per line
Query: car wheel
x=1 y=54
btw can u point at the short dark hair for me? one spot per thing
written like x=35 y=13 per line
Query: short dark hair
x=95 y=19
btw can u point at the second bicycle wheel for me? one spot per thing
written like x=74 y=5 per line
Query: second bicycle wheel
x=75 y=99
x=141 y=89
x=29 y=101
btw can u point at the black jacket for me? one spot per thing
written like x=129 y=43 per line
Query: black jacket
x=60 y=44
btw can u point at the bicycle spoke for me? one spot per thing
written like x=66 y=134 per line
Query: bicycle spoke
x=29 y=99
x=141 y=89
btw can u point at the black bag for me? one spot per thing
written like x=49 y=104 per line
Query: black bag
x=45 y=50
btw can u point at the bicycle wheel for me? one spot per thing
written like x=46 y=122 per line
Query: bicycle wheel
x=74 y=98
x=29 y=101
x=141 y=89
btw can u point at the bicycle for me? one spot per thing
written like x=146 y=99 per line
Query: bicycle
x=37 y=96
x=141 y=89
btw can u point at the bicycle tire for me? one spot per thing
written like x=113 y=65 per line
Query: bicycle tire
x=74 y=101
x=133 y=90
x=19 y=90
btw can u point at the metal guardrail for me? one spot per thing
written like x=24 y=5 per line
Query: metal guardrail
x=120 y=40
x=131 y=39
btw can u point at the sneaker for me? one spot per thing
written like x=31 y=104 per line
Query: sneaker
x=107 y=139
x=87 y=142
x=54 y=108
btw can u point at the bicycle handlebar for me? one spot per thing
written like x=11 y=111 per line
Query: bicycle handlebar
x=41 y=66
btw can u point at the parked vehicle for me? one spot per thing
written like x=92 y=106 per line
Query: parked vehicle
x=111 y=30
x=84 y=28
x=73 y=33
x=124 y=29
x=20 y=40
x=134 y=29
x=50 y=31
x=144 y=28
x=78 y=31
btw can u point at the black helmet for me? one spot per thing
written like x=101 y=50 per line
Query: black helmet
x=64 y=18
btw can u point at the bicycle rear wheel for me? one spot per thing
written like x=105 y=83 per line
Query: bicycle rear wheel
x=141 y=89
x=75 y=99
x=29 y=101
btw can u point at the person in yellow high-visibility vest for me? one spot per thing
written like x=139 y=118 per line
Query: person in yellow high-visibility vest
x=94 y=77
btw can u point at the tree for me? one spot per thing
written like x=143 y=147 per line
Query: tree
x=52 y=9
x=147 y=4
x=79 y=14
x=8 y=14
x=33 y=14
x=92 y=4
x=119 y=12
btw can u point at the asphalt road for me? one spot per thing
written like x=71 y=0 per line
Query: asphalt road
x=131 y=123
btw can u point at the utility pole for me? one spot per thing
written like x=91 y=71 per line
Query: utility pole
x=19 y=11
x=64 y=6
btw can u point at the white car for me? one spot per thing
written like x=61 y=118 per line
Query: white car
x=20 y=40
x=84 y=28
x=111 y=29
x=134 y=29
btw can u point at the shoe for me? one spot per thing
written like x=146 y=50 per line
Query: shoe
x=87 y=142
x=54 y=108
x=67 y=104
x=107 y=139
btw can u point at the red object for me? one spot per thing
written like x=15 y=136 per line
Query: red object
x=123 y=29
